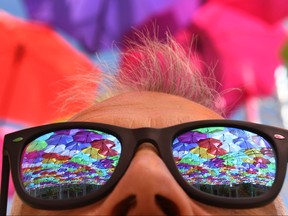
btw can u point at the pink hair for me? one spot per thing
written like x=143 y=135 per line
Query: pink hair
x=149 y=65
x=165 y=67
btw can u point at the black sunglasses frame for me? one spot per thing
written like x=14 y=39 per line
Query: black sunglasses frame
x=130 y=139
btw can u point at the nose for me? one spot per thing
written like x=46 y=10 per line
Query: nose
x=148 y=188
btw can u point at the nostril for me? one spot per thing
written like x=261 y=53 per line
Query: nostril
x=167 y=206
x=124 y=206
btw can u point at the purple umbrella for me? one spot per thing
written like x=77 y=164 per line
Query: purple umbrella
x=191 y=137
x=86 y=136
x=97 y=24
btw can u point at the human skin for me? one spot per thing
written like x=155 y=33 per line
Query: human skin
x=153 y=191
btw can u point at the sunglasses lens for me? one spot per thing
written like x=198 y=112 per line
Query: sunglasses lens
x=225 y=161
x=69 y=163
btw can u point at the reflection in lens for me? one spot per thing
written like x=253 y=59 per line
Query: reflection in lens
x=69 y=163
x=225 y=161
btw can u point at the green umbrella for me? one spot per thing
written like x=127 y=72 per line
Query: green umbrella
x=209 y=129
x=36 y=145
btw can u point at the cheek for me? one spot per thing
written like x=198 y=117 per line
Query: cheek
x=20 y=208
x=270 y=209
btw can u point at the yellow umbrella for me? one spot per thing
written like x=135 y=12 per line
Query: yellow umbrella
x=202 y=152
x=93 y=153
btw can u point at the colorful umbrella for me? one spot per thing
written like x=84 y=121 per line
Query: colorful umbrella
x=85 y=136
x=36 y=146
x=213 y=146
x=215 y=163
x=34 y=59
x=260 y=141
x=208 y=130
x=76 y=146
x=191 y=159
x=271 y=11
x=252 y=152
x=183 y=147
x=191 y=137
x=82 y=158
x=243 y=50
x=98 y=24
x=57 y=139
x=58 y=148
x=202 y=152
x=268 y=152
x=93 y=153
x=105 y=147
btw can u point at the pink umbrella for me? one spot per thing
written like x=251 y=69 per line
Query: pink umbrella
x=244 y=50
x=271 y=11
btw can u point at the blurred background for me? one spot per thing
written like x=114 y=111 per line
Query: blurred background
x=43 y=42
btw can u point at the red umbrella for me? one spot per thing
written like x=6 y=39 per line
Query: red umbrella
x=105 y=147
x=34 y=59
x=213 y=146
x=245 y=50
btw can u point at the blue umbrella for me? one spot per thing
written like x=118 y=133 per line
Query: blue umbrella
x=59 y=139
x=181 y=146
x=77 y=145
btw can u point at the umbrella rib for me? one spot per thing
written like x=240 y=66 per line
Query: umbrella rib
x=9 y=89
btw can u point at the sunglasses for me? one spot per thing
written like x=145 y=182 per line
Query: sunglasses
x=224 y=163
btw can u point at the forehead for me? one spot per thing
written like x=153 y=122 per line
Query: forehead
x=145 y=109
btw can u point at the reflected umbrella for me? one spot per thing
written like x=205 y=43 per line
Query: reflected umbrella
x=213 y=146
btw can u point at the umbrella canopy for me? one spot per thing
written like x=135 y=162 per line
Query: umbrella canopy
x=98 y=24
x=243 y=50
x=271 y=11
x=33 y=60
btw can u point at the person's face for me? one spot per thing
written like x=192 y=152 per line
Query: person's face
x=147 y=188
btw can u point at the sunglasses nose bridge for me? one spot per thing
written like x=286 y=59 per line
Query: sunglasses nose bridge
x=147 y=135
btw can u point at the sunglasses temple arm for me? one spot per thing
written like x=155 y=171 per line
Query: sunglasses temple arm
x=4 y=185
